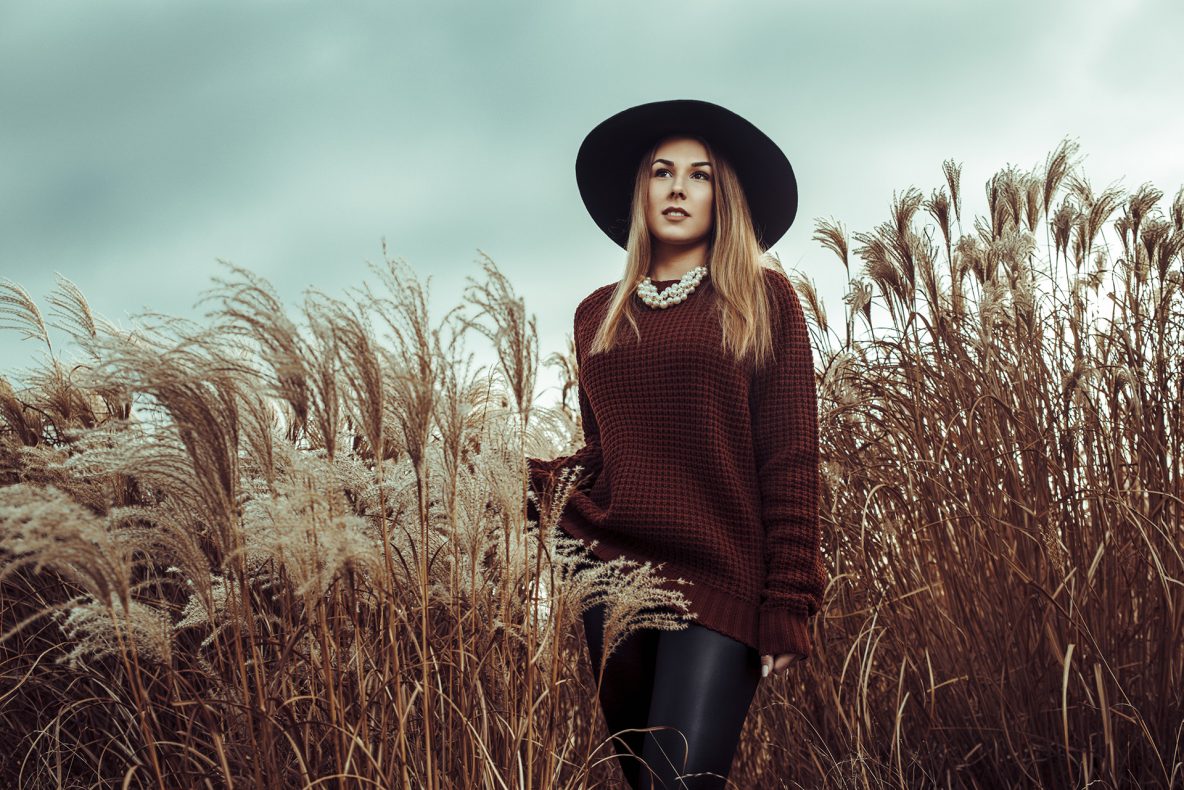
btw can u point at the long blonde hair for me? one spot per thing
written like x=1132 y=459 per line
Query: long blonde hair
x=734 y=257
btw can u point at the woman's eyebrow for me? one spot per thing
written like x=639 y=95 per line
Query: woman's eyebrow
x=671 y=164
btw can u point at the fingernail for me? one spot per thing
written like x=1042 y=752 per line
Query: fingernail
x=764 y=670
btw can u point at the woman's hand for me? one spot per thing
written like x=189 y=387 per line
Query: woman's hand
x=778 y=664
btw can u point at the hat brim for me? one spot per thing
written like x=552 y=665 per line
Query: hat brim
x=608 y=158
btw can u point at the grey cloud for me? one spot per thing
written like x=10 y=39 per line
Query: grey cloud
x=141 y=141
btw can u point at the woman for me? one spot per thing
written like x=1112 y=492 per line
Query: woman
x=701 y=443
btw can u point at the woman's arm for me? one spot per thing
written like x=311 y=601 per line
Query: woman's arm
x=544 y=474
x=785 y=434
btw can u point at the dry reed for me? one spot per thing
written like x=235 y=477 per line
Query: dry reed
x=275 y=551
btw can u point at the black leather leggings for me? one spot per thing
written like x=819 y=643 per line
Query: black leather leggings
x=697 y=681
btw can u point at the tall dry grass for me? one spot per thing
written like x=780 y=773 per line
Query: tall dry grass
x=272 y=552
x=1002 y=492
x=268 y=550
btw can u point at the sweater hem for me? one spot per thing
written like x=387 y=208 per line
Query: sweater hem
x=712 y=608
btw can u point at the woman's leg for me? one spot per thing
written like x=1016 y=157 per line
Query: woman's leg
x=625 y=691
x=704 y=683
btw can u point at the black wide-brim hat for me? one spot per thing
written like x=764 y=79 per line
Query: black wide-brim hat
x=607 y=162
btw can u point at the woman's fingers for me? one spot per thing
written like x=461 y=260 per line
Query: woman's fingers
x=780 y=663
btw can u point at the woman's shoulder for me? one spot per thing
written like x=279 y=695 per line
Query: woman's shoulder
x=782 y=297
x=778 y=287
x=776 y=277
x=598 y=297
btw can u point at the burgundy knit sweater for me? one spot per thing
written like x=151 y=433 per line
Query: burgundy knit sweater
x=699 y=463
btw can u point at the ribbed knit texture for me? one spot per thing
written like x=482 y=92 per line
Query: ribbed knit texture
x=696 y=462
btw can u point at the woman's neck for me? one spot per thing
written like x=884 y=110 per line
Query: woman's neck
x=671 y=263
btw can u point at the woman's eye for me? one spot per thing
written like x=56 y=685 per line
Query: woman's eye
x=661 y=170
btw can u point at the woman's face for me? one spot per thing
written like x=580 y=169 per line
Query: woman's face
x=681 y=191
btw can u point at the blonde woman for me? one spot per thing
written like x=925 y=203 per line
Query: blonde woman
x=697 y=399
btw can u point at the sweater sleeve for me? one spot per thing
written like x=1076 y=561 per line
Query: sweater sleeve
x=544 y=473
x=785 y=436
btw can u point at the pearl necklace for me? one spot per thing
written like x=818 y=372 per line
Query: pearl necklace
x=674 y=294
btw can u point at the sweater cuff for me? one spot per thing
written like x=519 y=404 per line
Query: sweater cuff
x=542 y=479
x=783 y=631
x=538 y=480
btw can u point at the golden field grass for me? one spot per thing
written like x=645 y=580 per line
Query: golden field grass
x=289 y=548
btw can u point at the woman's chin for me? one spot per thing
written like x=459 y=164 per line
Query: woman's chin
x=678 y=239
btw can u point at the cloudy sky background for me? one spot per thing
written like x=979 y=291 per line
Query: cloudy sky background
x=141 y=141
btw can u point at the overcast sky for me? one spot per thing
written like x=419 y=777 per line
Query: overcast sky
x=141 y=141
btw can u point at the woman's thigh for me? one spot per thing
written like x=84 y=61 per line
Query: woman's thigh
x=626 y=688
x=704 y=683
